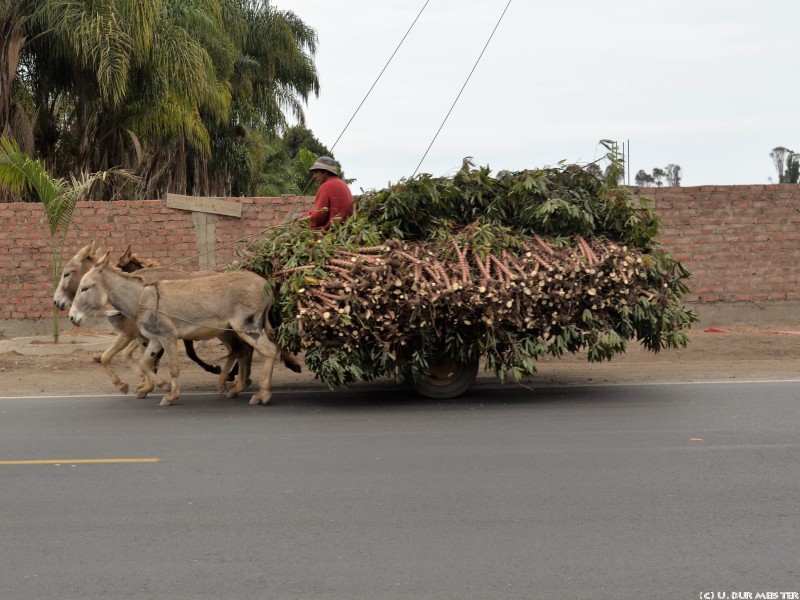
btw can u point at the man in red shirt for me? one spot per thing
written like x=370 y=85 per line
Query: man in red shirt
x=333 y=199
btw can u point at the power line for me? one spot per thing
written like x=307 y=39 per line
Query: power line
x=380 y=74
x=462 y=88
x=310 y=181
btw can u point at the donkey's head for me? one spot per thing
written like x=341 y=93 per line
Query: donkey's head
x=75 y=268
x=129 y=262
x=92 y=295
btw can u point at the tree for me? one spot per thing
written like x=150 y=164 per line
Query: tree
x=182 y=93
x=286 y=168
x=787 y=163
x=594 y=170
x=299 y=136
x=644 y=179
x=793 y=169
x=673 y=175
x=273 y=75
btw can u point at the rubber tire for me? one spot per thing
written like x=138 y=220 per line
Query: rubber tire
x=446 y=378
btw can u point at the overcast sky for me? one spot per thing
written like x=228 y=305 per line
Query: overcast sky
x=710 y=85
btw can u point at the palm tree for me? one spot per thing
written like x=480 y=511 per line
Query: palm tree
x=180 y=92
x=29 y=178
x=279 y=73
x=93 y=79
x=16 y=23
x=273 y=75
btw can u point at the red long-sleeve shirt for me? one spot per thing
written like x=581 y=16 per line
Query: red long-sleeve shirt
x=333 y=200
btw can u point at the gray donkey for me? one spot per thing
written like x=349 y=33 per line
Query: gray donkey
x=128 y=336
x=188 y=309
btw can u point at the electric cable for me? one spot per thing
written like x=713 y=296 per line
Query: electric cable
x=347 y=125
x=380 y=74
x=462 y=89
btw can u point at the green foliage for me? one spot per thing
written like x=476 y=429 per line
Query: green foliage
x=555 y=202
x=672 y=174
x=787 y=162
x=572 y=296
x=175 y=91
x=286 y=169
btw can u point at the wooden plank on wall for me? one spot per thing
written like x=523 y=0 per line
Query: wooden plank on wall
x=206 y=240
x=214 y=206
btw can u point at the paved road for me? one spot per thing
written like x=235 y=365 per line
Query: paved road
x=661 y=491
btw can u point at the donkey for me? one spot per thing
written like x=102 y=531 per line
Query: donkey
x=130 y=262
x=128 y=336
x=127 y=333
x=196 y=309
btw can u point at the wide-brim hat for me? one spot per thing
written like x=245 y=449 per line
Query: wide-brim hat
x=325 y=163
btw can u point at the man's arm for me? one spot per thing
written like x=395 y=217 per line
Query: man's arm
x=320 y=214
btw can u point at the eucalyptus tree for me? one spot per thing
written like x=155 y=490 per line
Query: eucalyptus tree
x=673 y=174
x=787 y=163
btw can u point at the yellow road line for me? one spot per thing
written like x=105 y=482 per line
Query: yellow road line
x=81 y=461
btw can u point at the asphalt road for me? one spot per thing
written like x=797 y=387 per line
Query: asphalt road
x=639 y=491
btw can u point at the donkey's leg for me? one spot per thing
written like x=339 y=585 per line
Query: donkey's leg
x=171 y=352
x=230 y=359
x=239 y=352
x=290 y=361
x=127 y=354
x=244 y=359
x=270 y=351
x=120 y=343
x=146 y=368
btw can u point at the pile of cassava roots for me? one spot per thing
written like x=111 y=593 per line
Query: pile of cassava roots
x=507 y=268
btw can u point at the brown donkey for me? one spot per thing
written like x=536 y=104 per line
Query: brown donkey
x=194 y=309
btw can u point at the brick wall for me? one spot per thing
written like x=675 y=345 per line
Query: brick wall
x=741 y=243
x=155 y=231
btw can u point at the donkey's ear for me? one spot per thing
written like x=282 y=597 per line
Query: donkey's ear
x=103 y=262
x=126 y=257
x=86 y=251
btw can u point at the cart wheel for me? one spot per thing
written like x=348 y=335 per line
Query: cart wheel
x=447 y=378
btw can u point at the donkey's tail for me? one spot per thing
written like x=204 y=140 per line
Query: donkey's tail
x=290 y=361
x=189 y=345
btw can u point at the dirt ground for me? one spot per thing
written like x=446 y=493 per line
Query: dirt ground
x=746 y=353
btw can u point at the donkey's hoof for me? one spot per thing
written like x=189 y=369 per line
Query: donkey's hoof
x=165 y=402
x=124 y=388
x=143 y=389
x=232 y=393
x=259 y=399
